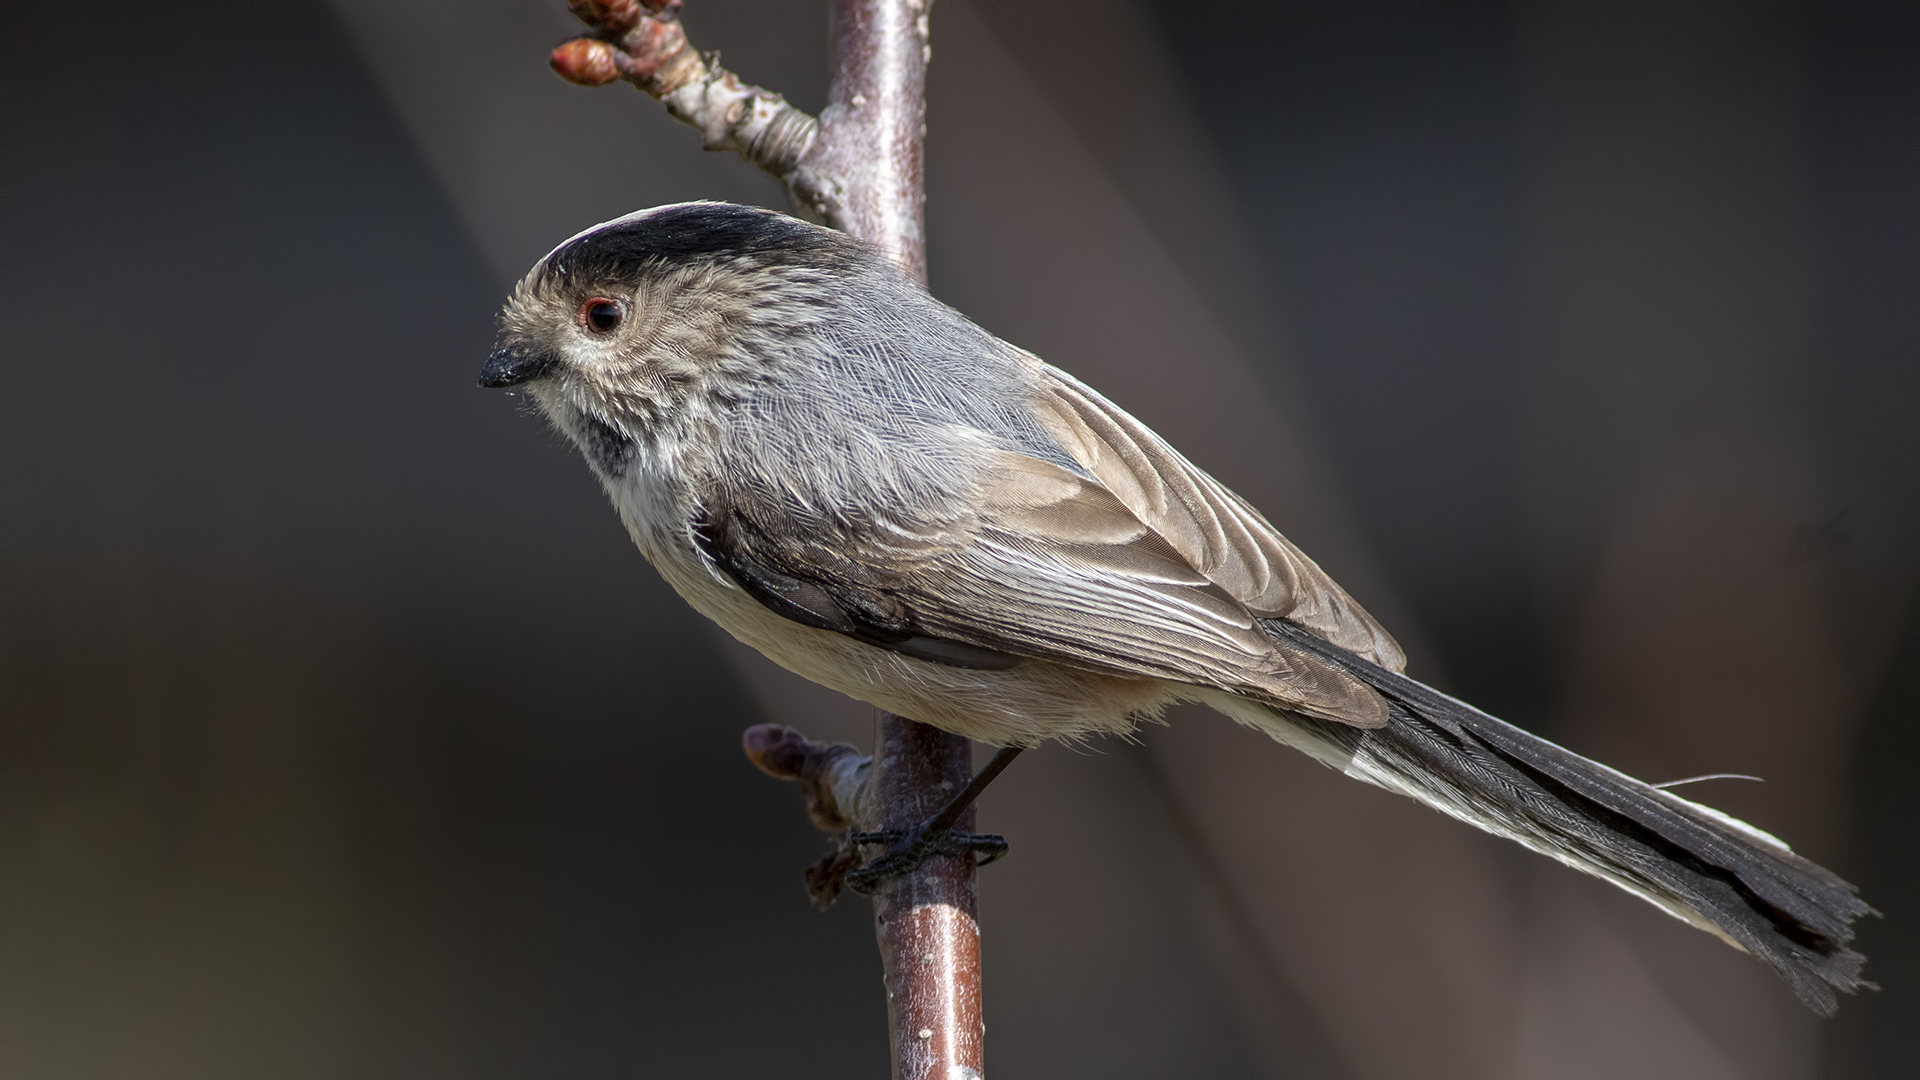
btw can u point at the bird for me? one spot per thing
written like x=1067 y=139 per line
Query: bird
x=878 y=494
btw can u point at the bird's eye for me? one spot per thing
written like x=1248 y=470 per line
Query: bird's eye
x=601 y=315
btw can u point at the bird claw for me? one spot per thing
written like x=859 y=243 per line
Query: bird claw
x=913 y=847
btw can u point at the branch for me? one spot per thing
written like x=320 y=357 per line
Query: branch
x=926 y=921
x=644 y=43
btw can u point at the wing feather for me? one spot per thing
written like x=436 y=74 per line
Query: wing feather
x=1215 y=530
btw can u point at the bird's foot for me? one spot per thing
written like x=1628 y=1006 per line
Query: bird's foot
x=913 y=847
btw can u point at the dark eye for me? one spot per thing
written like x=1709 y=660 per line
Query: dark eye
x=601 y=315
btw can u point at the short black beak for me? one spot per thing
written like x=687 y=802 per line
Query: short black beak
x=509 y=366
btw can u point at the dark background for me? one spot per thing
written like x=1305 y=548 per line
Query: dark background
x=342 y=733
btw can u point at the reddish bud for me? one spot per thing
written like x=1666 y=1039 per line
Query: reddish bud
x=588 y=62
x=618 y=16
x=658 y=52
x=782 y=752
x=776 y=749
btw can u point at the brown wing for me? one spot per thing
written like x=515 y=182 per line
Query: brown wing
x=1213 y=529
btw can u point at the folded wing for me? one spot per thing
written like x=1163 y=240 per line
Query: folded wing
x=1143 y=566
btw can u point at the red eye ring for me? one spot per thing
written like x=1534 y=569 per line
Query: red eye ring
x=601 y=315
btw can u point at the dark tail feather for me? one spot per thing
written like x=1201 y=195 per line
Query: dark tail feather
x=1718 y=873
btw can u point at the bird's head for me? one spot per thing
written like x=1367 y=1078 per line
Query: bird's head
x=635 y=328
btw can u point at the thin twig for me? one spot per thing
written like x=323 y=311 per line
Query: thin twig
x=855 y=168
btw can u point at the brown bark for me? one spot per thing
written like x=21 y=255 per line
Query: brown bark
x=926 y=920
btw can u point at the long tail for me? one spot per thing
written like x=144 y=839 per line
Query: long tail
x=1696 y=863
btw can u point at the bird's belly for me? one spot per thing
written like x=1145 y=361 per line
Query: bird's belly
x=1029 y=703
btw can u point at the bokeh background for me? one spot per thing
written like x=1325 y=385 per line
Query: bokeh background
x=343 y=734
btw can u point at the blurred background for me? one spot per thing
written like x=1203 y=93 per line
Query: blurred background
x=342 y=733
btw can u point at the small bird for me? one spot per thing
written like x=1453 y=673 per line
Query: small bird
x=862 y=484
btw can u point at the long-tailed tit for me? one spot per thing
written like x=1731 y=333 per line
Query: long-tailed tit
x=859 y=482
